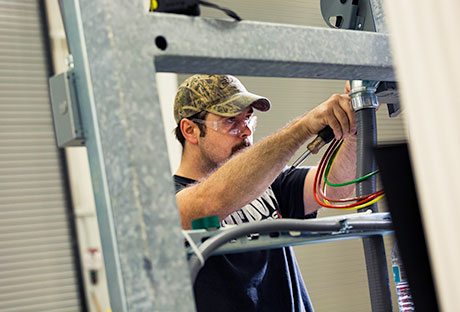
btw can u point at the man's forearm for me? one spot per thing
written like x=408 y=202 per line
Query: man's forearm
x=344 y=169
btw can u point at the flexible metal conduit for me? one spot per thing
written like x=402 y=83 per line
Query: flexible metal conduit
x=365 y=162
x=374 y=248
x=268 y=226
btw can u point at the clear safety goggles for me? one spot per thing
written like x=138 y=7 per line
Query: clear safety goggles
x=232 y=125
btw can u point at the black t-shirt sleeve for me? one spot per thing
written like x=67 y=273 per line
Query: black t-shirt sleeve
x=289 y=191
x=181 y=182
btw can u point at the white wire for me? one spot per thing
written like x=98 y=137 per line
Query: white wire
x=195 y=249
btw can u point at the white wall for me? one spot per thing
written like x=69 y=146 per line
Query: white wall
x=167 y=86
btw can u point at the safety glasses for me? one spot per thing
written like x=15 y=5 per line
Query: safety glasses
x=233 y=125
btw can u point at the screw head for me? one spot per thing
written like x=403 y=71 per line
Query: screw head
x=63 y=107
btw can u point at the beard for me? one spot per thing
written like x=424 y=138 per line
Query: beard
x=239 y=147
x=210 y=163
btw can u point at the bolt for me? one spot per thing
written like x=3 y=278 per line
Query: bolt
x=69 y=61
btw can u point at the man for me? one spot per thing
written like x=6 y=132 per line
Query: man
x=222 y=174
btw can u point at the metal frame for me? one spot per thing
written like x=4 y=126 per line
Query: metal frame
x=267 y=49
x=261 y=240
x=112 y=43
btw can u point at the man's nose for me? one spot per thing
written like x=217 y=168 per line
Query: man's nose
x=245 y=131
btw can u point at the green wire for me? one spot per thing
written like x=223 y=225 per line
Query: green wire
x=357 y=180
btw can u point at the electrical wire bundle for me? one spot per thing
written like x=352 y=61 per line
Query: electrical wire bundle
x=321 y=181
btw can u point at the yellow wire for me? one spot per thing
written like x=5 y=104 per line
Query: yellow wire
x=362 y=205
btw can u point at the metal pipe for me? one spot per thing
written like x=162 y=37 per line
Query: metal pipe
x=267 y=226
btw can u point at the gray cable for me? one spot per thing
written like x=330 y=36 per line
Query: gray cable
x=225 y=236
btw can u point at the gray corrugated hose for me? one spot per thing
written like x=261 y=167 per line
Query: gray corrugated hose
x=374 y=248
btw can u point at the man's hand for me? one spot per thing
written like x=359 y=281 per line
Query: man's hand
x=347 y=88
x=335 y=112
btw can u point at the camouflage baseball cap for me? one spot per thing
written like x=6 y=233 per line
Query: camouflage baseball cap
x=223 y=95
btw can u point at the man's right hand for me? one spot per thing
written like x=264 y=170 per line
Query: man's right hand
x=335 y=112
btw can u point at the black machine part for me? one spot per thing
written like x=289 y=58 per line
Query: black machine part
x=387 y=92
x=186 y=7
x=348 y=14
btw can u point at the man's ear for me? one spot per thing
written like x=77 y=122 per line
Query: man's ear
x=189 y=130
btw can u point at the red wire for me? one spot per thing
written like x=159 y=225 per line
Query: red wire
x=342 y=200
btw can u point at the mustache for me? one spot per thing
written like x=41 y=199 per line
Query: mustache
x=241 y=146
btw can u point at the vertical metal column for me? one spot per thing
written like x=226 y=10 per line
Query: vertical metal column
x=123 y=129
x=378 y=15
x=365 y=102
